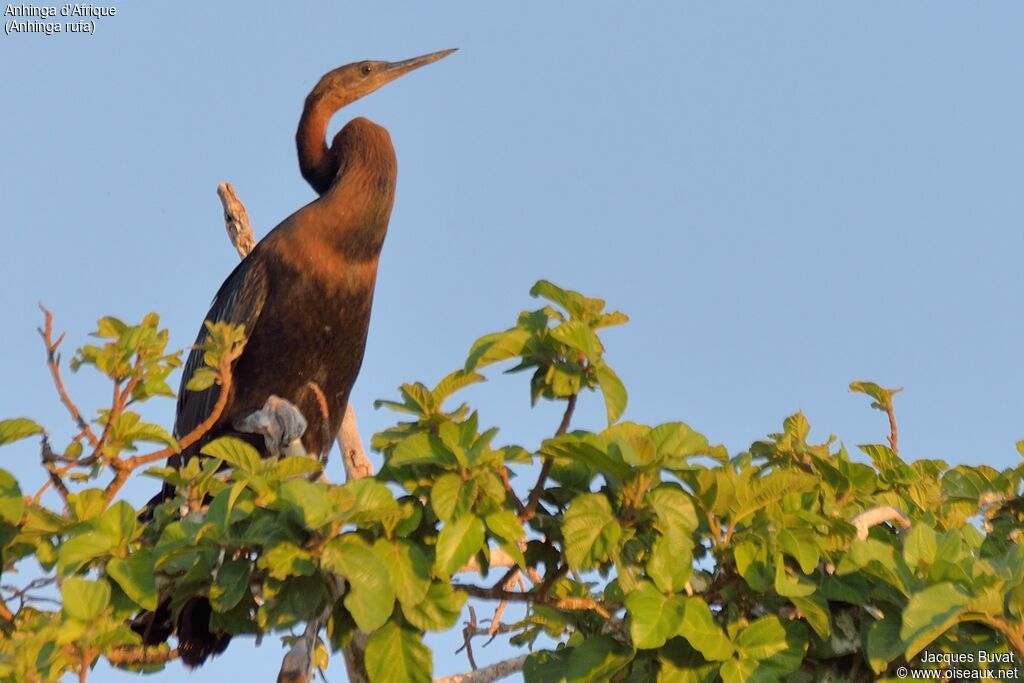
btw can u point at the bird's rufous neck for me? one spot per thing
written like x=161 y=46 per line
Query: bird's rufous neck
x=315 y=160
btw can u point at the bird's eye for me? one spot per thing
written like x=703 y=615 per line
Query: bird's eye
x=366 y=69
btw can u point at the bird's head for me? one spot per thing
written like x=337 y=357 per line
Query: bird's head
x=350 y=82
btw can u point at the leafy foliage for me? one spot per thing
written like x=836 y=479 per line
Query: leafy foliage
x=647 y=552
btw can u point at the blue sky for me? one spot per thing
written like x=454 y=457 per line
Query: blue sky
x=784 y=197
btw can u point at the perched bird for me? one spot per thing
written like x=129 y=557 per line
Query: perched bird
x=304 y=295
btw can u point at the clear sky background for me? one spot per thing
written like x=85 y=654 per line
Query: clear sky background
x=784 y=197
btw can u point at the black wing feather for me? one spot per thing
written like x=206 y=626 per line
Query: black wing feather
x=238 y=301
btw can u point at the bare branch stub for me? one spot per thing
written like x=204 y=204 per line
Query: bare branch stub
x=357 y=465
x=236 y=220
x=875 y=516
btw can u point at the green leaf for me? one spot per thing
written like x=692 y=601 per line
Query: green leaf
x=397 y=654
x=929 y=614
x=292 y=466
x=572 y=302
x=505 y=525
x=83 y=599
x=438 y=610
x=373 y=501
x=230 y=584
x=882 y=396
x=591 y=531
x=815 y=611
x=287 y=559
x=674 y=508
x=614 y=392
x=493 y=348
x=546 y=666
x=16 y=429
x=596 y=660
x=680 y=663
x=670 y=563
x=578 y=336
x=653 y=617
x=12 y=504
x=422 y=448
x=454 y=382
x=677 y=441
x=135 y=577
x=457 y=542
x=87 y=504
x=752 y=563
x=883 y=643
x=744 y=671
x=777 y=645
x=703 y=633
x=308 y=499
x=408 y=567
x=202 y=379
x=118 y=522
x=789 y=584
x=920 y=545
x=452 y=497
x=81 y=549
x=235 y=452
x=370 y=598
x=801 y=546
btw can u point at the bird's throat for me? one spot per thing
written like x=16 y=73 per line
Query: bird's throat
x=316 y=162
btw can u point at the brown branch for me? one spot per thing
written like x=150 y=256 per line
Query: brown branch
x=53 y=362
x=530 y=510
x=488 y=674
x=563 y=427
x=893 y=432
x=126 y=466
x=499 y=593
x=467 y=638
x=499 y=558
x=141 y=655
x=510 y=492
x=55 y=474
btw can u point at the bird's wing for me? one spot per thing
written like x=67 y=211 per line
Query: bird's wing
x=238 y=301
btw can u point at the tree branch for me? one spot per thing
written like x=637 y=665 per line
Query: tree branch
x=53 y=362
x=141 y=655
x=236 y=220
x=357 y=465
x=487 y=674
x=875 y=516
x=530 y=511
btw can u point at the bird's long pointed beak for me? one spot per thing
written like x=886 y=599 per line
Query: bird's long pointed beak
x=395 y=69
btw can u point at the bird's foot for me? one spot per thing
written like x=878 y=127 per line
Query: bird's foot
x=280 y=423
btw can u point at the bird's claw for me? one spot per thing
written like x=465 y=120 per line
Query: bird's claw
x=280 y=423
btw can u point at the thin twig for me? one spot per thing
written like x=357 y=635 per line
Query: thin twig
x=126 y=466
x=893 y=432
x=530 y=510
x=53 y=362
